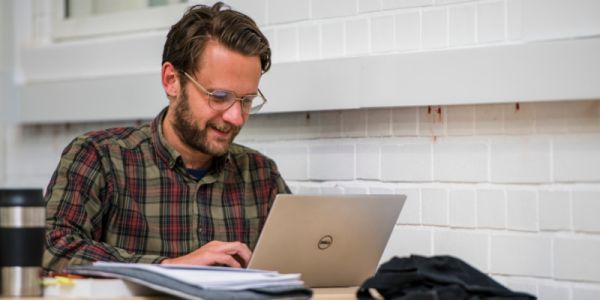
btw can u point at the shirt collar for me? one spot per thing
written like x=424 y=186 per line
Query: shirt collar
x=169 y=155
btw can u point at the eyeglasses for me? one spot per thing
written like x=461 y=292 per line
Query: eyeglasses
x=222 y=100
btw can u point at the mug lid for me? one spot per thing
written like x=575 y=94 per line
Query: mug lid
x=21 y=197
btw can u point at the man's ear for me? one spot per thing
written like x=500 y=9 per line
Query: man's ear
x=170 y=80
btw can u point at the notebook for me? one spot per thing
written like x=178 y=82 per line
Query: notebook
x=332 y=241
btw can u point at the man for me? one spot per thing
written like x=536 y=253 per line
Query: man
x=176 y=190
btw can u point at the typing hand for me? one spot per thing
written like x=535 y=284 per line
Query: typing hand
x=232 y=254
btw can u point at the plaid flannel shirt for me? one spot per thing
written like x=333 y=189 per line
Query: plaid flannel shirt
x=123 y=194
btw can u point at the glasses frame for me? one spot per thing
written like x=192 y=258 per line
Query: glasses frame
x=253 y=110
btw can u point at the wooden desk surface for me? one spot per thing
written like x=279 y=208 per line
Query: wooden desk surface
x=319 y=294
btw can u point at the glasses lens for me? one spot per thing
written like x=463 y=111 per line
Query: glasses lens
x=257 y=104
x=223 y=100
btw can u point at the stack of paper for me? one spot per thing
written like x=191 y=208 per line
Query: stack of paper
x=199 y=282
x=216 y=278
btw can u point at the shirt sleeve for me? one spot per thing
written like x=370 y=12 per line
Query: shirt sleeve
x=77 y=198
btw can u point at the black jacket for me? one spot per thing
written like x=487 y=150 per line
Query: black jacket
x=434 y=278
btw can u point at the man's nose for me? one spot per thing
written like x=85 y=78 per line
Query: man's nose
x=235 y=115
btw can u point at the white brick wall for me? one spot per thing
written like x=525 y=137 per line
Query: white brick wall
x=513 y=188
x=520 y=255
x=577 y=258
x=482 y=184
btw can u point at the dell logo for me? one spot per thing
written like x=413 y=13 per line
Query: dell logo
x=325 y=242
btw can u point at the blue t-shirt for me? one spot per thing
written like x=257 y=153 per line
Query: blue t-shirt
x=197 y=173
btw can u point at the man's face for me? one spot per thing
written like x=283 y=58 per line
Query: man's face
x=198 y=125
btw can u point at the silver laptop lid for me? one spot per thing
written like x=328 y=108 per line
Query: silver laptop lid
x=332 y=240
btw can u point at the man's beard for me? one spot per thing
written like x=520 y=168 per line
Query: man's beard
x=195 y=137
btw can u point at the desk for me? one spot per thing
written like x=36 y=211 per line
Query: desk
x=334 y=293
x=319 y=294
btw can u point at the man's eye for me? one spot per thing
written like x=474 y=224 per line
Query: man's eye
x=220 y=95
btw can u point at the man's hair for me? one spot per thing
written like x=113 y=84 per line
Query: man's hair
x=187 y=39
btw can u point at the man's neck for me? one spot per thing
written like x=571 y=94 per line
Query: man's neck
x=192 y=159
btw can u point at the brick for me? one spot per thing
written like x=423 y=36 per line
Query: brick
x=490 y=22
x=434 y=206
x=332 y=39
x=408 y=31
x=460 y=119
x=379 y=122
x=472 y=247
x=577 y=158
x=271 y=36
x=378 y=190
x=354 y=123
x=550 y=117
x=391 y=4
x=357 y=39
x=577 y=259
x=514 y=16
x=411 y=211
x=519 y=118
x=555 y=210
x=586 y=293
x=333 y=8
x=458 y=160
x=368 y=5
x=367 y=161
x=521 y=210
x=432 y=121
x=404 y=121
x=491 y=209
x=356 y=190
x=520 y=160
x=489 y=119
x=583 y=116
x=285 y=11
x=29 y=152
x=257 y=10
x=525 y=285
x=552 y=292
x=291 y=159
x=332 y=190
x=533 y=259
x=434 y=28
x=405 y=241
x=287 y=43
x=308 y=190
x=406 y=162
x=331 y=162
x=586 y=205
x=559 y=19
x=330 y=124
x=284 y=126
x=382 y=33
x=309 y=42
x=462 y=208
x=461 y=25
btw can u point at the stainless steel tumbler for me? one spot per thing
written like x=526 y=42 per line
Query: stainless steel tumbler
x=22 y=221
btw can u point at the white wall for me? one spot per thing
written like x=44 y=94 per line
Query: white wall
x=512 y=188
x=513 y=191
x=7 y=88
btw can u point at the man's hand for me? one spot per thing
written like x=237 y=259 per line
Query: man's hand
x=232 y=254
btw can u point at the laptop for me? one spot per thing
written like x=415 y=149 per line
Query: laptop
x=331 y=240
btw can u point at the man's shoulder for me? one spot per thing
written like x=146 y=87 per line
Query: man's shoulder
x=122 y=137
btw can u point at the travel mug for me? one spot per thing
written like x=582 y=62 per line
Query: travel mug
x=22 y=230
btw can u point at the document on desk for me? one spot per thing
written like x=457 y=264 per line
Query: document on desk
x=197 y=282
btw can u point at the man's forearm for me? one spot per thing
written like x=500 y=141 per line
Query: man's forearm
x=64 y=250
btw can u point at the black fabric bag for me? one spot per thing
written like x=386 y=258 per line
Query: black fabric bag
x=434 y=278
